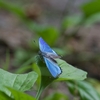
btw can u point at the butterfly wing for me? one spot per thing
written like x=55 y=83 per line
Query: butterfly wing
x=44 y=47
x=53 y=67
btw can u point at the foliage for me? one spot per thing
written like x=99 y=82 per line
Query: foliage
x=83 y=89
x=68 y=73
x=12 y=86
x=94 y=5
x=20 y=82
x=23 y=82
x=17 y=95
x=91 y=11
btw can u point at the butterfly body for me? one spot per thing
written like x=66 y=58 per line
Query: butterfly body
x=49 y=57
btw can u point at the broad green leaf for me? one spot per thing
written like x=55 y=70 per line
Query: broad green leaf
x=56 y=96
x=20 y=82
x=91 y=8
x=17 y=95
x=4 y=96
x=69 y=72
x=84 y=89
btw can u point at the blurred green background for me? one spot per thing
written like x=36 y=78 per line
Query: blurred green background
x=70 y=27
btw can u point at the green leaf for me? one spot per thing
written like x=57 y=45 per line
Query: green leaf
x=17 y=95
x=51 y=32
x=84 y=89
x=69 y=72
x=71 y=21
x=92 y=19
x=95 y=83
x=36 y=69
x=56 y=96
x=20 y=82
x=91 y=8
x=45 y=77
x=4 y=96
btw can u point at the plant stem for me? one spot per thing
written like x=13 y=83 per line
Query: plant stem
x=39 y=92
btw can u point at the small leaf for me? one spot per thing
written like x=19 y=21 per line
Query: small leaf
x=20 y=96
x=20 y=82
x=69 y=72
x=84 y=89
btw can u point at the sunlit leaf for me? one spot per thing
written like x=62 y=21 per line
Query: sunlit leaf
x=69 y=72
x=20 y=82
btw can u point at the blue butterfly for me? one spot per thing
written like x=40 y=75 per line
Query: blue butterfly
x=49 y=57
